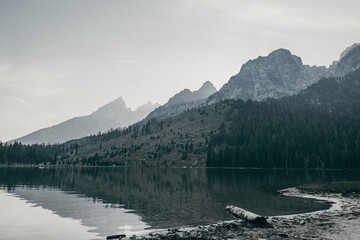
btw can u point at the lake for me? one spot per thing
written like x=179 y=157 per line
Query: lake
x=92 y=203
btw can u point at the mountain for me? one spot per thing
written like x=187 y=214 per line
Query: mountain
x=277 y=75
x=349 y=61
x=317 y=128
x=112 y=115
x=183 y=101
x=282 y=74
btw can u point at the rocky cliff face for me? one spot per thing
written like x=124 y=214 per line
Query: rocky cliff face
x=349 y=61
x=277 y=75
x=282 y=74
x=112 y=115
x=183 y=101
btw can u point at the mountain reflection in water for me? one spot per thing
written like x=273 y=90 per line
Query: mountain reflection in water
x=160 y=197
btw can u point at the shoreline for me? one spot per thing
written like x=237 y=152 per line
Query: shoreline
x=340 y=221
x=161 y=167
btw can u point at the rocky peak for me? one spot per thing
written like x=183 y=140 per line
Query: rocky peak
x=348 y=49
x=183 y=96
x=207 y=86
x=112 y=115
x=205 y=90
x=349 y=60
x=112 y=107
x=280 y=53
x=188 y=96
x=277 y=75
x=147 y=106
x=183 y=101
x=284 y=56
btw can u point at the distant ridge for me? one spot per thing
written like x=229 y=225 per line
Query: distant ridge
x=183 y=101
x=277 y=75
x=315 y=128
x=112 y=115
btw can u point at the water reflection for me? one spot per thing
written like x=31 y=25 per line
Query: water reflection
x=23 y=220
x=93 y=213
x=161 y=197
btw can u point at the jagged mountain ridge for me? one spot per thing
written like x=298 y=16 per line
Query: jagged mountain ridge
x=182 y=140
x=277 y=75
x=349 y=61
x=112 y=115
x=326 y=111
x=282 y=74
x=183 y=101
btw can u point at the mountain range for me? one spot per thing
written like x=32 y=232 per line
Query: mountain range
x=317 y=128
x=277 y=75
x=112 y=115
x=282 y=74
x=294 y=118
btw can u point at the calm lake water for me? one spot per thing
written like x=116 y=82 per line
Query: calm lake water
x=92 y=203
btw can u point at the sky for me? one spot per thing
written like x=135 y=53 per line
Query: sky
x=62 y=59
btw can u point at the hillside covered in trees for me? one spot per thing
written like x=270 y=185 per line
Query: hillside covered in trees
x=317 y=128
x=177 y=141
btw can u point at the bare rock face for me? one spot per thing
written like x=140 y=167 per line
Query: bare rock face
x=277 y=75
x=349 y=61
x=282 y=74
x=183 y=101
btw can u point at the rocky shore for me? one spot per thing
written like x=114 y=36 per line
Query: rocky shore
x=340 y=221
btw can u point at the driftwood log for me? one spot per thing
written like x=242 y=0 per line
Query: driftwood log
x=246 y=215
x=120 y=236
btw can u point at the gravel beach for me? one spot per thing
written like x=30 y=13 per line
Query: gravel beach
x=340 y=221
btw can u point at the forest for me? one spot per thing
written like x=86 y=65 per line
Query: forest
x=318 y=128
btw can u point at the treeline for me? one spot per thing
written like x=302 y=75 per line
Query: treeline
x=30 y=154
x=17 y=153
x=318 y=128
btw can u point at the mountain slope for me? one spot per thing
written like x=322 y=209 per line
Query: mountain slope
x=183 y=101
x=282 y=74
x=112 y=115
x=318 y=128
x=349 y=61
x=277 y=75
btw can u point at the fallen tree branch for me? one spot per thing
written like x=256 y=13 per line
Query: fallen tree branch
x=120 y=236
x=246 y=215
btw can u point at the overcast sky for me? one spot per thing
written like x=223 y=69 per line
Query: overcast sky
x=61 y=59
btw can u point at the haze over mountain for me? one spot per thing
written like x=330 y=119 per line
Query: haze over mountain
x=277 y=75
x=112 y=115
x=183 y=101
x=316 y=128
x=313 y=129
x=282 y=74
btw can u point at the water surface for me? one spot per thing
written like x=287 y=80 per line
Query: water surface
x=92 y=203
